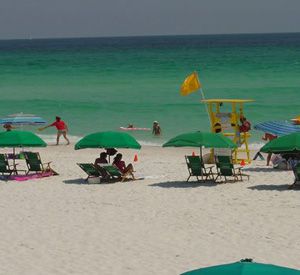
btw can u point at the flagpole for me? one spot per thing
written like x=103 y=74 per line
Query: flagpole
x=206 y=108
x=203 y=98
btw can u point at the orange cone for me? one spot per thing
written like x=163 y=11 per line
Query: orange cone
x=135 y=158
x=243 y=162
x=193 y=154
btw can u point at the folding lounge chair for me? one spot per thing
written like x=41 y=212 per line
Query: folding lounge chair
x=226 y=169
x=6 y=168
x=115 y=173
x=197 y=168
x=296 y=171
x=90 y=169
x=34 y=164
x=223 y=159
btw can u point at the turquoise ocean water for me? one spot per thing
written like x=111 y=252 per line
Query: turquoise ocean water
x=98 y=84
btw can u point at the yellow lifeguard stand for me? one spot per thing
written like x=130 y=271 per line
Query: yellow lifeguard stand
x=227 y=121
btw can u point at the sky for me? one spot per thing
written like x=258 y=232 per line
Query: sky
x=100 y=18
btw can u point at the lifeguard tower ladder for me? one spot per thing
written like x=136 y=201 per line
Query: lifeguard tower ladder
x=227 y=122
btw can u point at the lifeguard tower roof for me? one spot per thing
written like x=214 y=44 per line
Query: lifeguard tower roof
x=227 y=100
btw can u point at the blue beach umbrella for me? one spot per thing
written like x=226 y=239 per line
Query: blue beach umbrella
x=278 y=128
x=21 y=119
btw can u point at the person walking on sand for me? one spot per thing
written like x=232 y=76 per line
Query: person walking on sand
x=156 y=130
x=268 y=137
x=62 y=129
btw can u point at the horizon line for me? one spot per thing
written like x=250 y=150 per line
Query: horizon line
x=151 y=35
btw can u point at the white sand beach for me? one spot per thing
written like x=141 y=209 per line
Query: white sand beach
x=158 y=225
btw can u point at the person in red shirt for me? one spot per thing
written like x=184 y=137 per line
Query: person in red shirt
x=245 y=126
x=62 y=129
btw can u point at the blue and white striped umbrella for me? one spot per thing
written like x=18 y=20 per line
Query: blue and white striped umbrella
x=22 y=119
x=278 y=128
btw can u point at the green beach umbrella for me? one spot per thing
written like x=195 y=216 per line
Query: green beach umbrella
x=201 y=139
x=244 y=267
x=20 y=139
x=288 y=143
x=110 y=139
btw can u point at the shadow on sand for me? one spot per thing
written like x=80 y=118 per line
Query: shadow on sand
x=262 y=169
x=273 y=187
x=83 y=181
x=184 y=184
x=75 y=181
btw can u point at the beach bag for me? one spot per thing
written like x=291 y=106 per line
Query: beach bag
x=282 y=165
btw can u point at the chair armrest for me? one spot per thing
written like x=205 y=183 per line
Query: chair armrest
x=208 y=170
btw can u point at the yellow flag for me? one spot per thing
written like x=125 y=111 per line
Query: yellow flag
x=190 y=84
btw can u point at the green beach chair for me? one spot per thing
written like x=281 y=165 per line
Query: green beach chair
x=34 y=163
x=296 y=171
x=6 y=168
x=112 y=171
x=197 y=169
x=223 y=159
x=226 y=169
x=116 y=174
x=91 y=170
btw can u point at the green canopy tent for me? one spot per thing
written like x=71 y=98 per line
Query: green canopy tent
x=284 y=144
x=201 y=139
x=15 y=139
x=244 y=267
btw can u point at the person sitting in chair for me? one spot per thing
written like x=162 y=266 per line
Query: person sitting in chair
x=120 y=164
x=102 y=160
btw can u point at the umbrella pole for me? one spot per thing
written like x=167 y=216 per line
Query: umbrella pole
x=14 y=157
x=201 y=159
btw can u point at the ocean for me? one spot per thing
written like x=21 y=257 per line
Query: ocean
x=98 y=84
